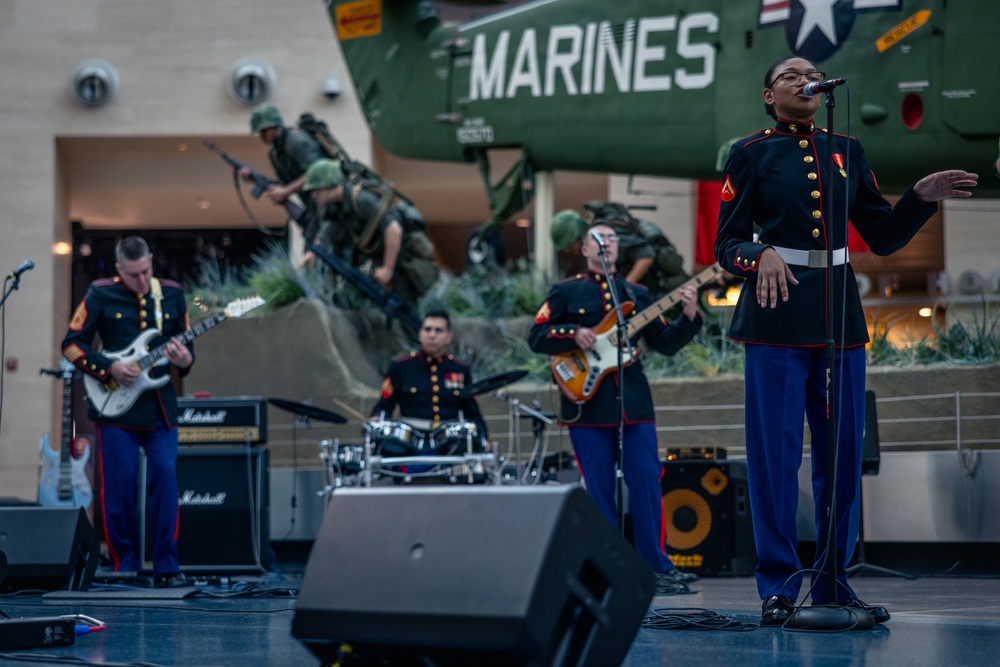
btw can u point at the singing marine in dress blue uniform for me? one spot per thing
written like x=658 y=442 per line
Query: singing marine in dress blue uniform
x=583 y=301
x=775 y=179
x=119 y=315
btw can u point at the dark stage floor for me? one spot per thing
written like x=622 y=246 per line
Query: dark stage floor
x=935 y=621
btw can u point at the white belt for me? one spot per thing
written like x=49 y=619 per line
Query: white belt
x=814 y=259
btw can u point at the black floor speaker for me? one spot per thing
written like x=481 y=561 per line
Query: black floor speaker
x=48 y=548
x=479 y=576
x=224 y=510
x=706 y=505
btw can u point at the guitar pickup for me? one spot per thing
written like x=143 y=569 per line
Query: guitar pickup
x=565 y=374
x=579 y=363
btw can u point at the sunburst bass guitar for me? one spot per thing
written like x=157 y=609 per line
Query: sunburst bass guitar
x=111 y=399
x=579 y=372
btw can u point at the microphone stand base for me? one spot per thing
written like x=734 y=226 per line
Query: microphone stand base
x=830 y=618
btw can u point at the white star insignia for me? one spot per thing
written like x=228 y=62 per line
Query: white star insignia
x=818 y=14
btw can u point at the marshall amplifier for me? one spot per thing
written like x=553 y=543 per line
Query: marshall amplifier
x=224 y=510
x=222 y=420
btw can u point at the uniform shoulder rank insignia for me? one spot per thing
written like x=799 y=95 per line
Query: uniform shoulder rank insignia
x=543 y=314
x=79 y=317
x=386 y=388
x=728 y=191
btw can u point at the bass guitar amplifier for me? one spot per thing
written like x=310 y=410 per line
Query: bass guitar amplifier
x=222 y=420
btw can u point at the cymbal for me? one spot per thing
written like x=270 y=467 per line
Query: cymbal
x=306 y=409
x=492 y=382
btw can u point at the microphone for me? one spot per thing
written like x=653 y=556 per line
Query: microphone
x=816 y=87
x=596 y=235
x=26 y=265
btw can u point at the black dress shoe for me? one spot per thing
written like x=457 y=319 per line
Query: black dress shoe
x=776 y=610
x=672 y=582
x=173 y=580
x=878 y=613
x=678 y=575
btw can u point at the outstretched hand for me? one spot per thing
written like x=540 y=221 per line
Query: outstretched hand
x=943 y=184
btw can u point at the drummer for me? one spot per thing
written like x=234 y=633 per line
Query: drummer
x=426 y=384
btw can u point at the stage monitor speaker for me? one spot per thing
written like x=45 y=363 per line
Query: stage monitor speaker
x=224 y=510
x=706 y=505
x=487 y=576
x=48 y=548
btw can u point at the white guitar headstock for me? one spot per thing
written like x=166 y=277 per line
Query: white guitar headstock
x=242 y=306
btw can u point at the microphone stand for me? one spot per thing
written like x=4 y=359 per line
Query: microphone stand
x=831 y=617
x=620 y=393
x=10 y=290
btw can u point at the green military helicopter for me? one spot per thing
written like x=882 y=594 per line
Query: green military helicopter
x=662 y=87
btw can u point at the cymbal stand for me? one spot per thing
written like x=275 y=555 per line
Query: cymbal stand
x=331 y=478
x=366 y=470
x=516 y=408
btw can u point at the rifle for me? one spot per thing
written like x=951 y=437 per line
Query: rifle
x=260 y=182
x=388 y=303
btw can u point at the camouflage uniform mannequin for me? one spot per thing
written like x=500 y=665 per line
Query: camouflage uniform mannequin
x=364 y=227
x=639 y=242
x=290 y=152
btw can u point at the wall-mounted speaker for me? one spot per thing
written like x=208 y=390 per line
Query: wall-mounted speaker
x=487 y=576
x=706 y=505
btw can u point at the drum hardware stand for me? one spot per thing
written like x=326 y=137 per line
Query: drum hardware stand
x=328 y=455
x=516 y=407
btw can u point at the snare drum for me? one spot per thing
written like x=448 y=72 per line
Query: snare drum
x=452 y=438
x=393 y=438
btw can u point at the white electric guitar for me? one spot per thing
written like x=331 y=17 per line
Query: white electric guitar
x=111 y=399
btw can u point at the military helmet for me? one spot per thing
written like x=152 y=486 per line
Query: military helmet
x=323 y=173
x=598 y=209
x=567 y=226
x=263 y=117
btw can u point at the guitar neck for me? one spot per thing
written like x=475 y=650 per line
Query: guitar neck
x=67 y=417
x=203 y=326
x=670 y=300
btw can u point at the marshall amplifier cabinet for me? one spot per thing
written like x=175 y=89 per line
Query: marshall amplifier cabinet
x=224 y=510
x=222 y=420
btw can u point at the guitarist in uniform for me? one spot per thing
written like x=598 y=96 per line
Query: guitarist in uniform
x=118 y=310
x=566 y=322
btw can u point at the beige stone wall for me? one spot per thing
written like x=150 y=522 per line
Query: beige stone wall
x=173 y=58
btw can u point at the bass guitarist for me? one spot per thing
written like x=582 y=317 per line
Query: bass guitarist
x=567 y=321
x=118 y=310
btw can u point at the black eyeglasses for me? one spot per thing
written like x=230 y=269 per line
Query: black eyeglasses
x=792 y=77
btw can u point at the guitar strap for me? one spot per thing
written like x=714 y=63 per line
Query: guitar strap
x=157 y=293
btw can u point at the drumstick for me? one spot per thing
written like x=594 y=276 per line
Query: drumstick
x=353 y=412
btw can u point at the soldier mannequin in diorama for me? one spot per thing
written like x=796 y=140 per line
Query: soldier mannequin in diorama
x=646 y=255
x=290 y=152
x=359 y=223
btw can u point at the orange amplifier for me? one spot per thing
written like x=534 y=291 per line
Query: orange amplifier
x=222 y=420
